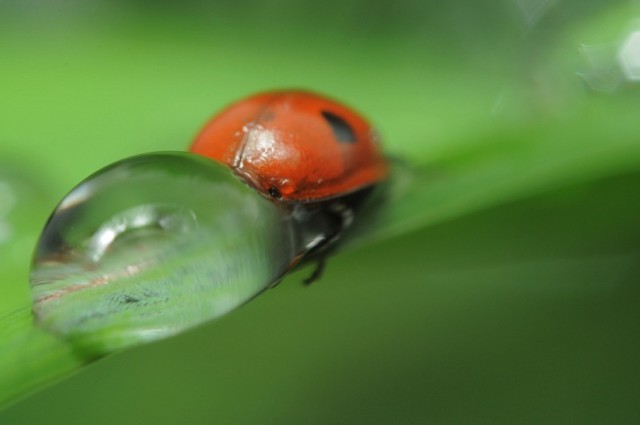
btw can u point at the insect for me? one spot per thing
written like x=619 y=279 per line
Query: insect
x=302 y=150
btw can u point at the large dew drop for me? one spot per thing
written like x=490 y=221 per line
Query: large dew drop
x=153 y=245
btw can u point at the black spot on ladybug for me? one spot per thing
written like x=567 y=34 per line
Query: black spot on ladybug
x=274 y=192
x=341 y=129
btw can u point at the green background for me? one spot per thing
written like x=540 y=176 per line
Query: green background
x=517 y=303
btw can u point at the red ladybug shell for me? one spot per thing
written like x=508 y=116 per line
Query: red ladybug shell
x=295 y=146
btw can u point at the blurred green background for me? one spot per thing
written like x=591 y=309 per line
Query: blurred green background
x=517 y=305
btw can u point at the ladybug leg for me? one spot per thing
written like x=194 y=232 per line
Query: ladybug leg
x=317 y=272
x=344 y=215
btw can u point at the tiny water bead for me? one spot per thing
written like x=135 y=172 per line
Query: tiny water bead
x=156 y=244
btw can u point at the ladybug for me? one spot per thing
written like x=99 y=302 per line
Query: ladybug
x=302 y=150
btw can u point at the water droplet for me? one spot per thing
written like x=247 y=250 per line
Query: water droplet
x=156 y=244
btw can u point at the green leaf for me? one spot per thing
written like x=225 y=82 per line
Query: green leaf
x=30 y=358
x=473 y=127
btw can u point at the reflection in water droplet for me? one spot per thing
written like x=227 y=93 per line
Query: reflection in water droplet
x=153 y=245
